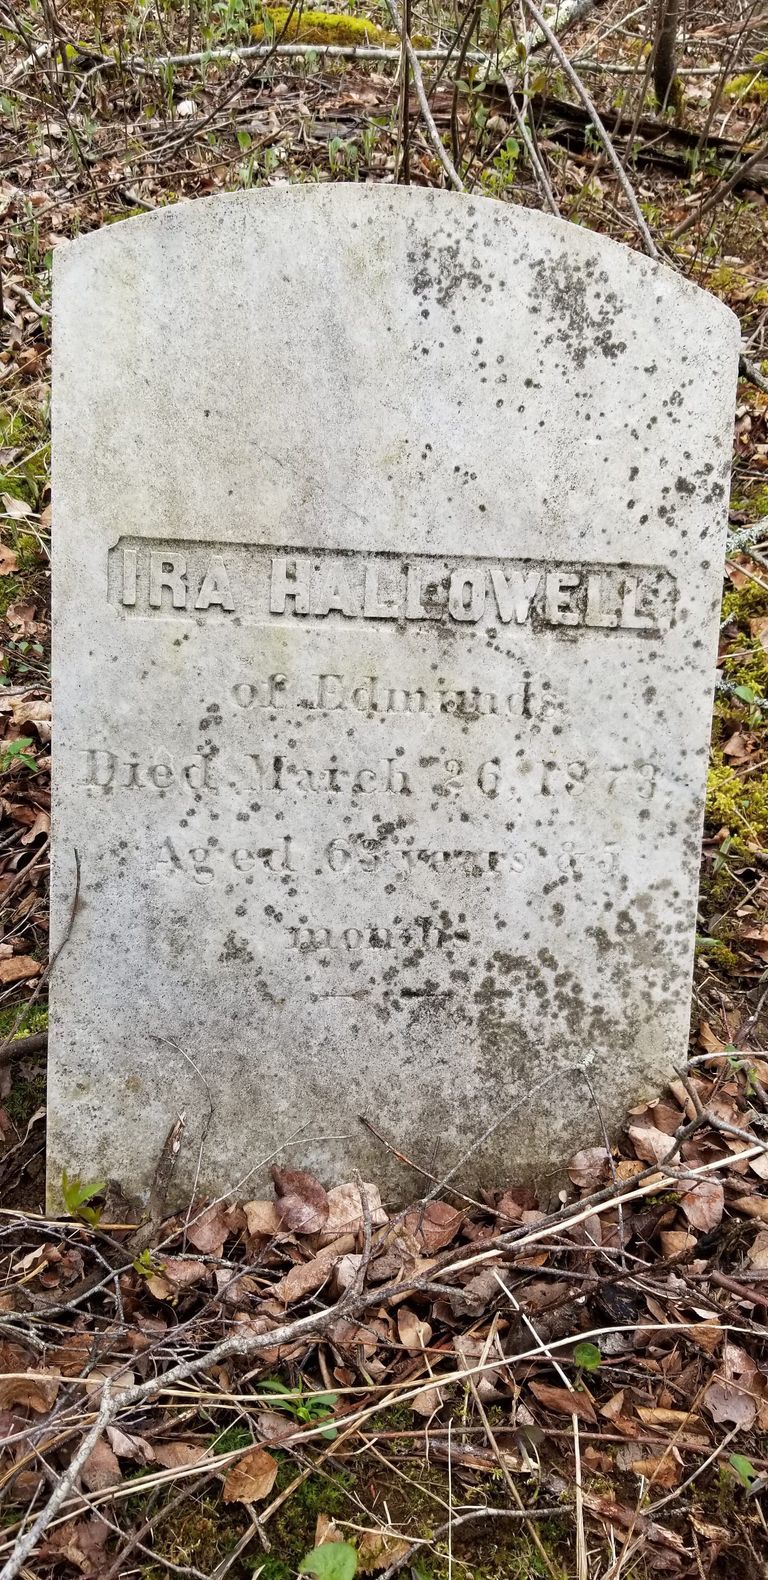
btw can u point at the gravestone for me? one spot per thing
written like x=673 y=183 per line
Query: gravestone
x=388 y=541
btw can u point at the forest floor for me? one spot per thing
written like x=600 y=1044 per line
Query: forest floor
x=472 y=1388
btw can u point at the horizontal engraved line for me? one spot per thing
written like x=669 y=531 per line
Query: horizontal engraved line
x=163 y=578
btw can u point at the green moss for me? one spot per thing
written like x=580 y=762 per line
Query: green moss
x=717 y=954
x=748 y=498
x=271 y=1568
x=292 y=1531
x=724 y=279
x=744 y=665
x=27 y=1092
x=26 y=478
x=34 y=1019
x=26 y=1096
x=323 y=27
x=202 y=1532
x=742 y=604
x=234 y=1437
x=738 y=804
x=750 y=84
x=10 y=590
x=199 y=1534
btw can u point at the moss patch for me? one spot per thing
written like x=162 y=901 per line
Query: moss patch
x=35 y=1019
x=25 y=437
x=323 y=27
x=416 y=1497
x=26 y=1096
x=750 y=85
x=200 y=1535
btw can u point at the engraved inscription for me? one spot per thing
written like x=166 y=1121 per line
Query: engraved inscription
x=371 y=695
x=165 y=578
x=275 y=776
x=290 y=858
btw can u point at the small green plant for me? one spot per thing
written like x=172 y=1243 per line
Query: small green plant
x=307 y=1408
x=332 y=1561
x=146 y=1265
x=368 y=140
x=502 y=174
x=720 y=858
x=16 y=752
x=342 y=155
x=587 y=1357
x=76 y=1193
x=744 y=1469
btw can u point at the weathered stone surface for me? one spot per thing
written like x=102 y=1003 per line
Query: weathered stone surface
x=388 y=534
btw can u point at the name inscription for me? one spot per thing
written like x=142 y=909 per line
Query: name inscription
x=152 y=578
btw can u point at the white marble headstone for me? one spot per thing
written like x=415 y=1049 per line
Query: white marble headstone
x=388 y=539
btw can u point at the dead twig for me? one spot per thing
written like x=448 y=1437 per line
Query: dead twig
x=421 y=94
x=576 y=82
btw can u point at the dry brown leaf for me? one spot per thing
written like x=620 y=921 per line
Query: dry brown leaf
x=306 y=1277
x=737 y=577
x=233 y=1288
x=326 y=1531
x=209 y=1231
x=664 y=1471
x=659 y=1415
x=302 y=1203
x=708 y=1040
x=262 y=1217
x=79 y=1543
x=650 y=1144
x=345 y=1211
x=590 y=1168
x=707 y=1333
x=101 y=1469
x=178 y=1272
x=757 y=1255
x=434 y=1225
x=735 y=1395
x=752 y=1206
x=346 y=1271
x=427 y=1401
x=379 y=1549
x=9 y=561
x=622 y=1514
x=127 y=1447
x=16 y=508
x=352 y=1336
x=41 y=825
x=174 y=1456
x=19 y=969
x=564 y=1402
x=70 y=1357
x=116 y=1373
x=275 y=1428
x=414 y=1331
x=251 y=1478
x=613 y=1407
x=739 y=747
x=34 y=1390
x=676 y=1242
x=759 y=628
x=509 y=1207
x=35 y=710
x=703 y=1204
